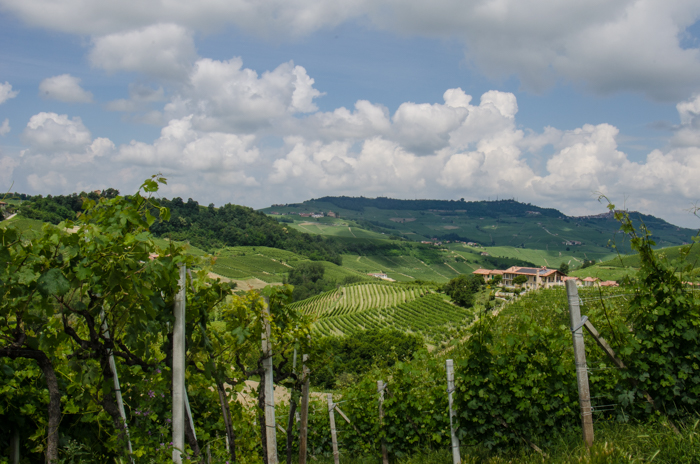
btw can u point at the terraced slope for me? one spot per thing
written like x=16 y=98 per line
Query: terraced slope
x=358 y=297
x=384 y=305
x=429 y=315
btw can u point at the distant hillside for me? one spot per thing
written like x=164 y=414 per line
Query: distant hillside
x=473 y=208
x=209 y=228
x=502 y=223
x=627 y=265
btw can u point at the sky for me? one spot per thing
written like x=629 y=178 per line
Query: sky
x=259 y=102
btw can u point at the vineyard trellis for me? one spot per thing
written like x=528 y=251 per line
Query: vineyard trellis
x=515 y=379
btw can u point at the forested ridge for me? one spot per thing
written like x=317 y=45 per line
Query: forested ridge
x=205 y=227
x=211 y=228
x=477 y=208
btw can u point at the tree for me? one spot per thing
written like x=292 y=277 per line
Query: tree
x=497 y=279
x=462 y=289
x=307 y=279
x=519 y=280
x=564 y=268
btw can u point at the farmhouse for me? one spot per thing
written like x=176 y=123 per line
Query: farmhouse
x=488 y=274
x=579 y=283
x=381 y=275
x=536 y=277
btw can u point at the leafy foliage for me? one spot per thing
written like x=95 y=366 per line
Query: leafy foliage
x=516 y=379
x=341 y=359
x=663 y=345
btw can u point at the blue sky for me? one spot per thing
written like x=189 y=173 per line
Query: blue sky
x=269 y=102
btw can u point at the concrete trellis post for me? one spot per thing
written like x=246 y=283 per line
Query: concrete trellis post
x=449 y=365
x=179 y=368
x=189 y=414
x=584 y=393
x=271 y=432
x=304 y=426
x=14 y=447
x=380 y=389
x=117 y=389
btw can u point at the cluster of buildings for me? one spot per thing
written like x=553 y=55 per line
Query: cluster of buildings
x=539 y=277
x=311 y=215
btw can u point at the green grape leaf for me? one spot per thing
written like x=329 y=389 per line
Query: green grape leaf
x=53 y=283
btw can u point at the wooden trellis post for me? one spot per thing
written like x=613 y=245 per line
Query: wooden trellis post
x=380 y=389
x=584 y=393
x=334 y=434
x=179 y=368
x=449 y=366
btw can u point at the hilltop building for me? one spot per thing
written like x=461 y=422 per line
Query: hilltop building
x=536 y=277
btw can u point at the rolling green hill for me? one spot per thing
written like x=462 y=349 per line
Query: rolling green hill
x=622 y=266
x=504 y=223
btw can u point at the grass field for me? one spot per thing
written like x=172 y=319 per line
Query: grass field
x=551 y=259
x=403 y=268
x=22 y=223
x=268 y=264
x=335 y=228
x=193 y=250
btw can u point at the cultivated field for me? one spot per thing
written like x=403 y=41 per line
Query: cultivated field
x=409 y=308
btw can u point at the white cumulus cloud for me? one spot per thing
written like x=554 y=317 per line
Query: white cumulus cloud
x=65 y=88
x=159 y=50
x=51 y=132
x=224 y=96
x=688 y=134
x=183 y=149
x=5 y=127
x=6 y=92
